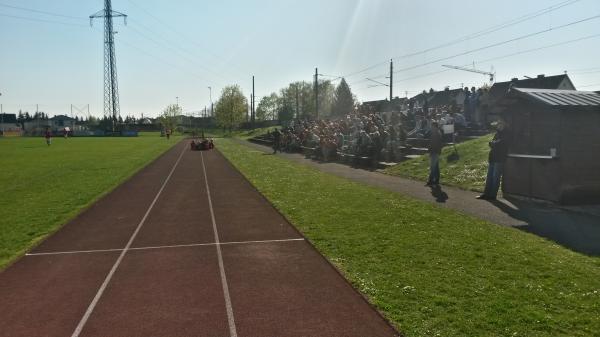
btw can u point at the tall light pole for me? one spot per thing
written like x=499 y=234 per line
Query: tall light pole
x=1 y=115
x=211 y=102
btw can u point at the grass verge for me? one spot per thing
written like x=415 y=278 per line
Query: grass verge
x=242 y=134
x=42 y=187
x=468 y=172
x=432 y=271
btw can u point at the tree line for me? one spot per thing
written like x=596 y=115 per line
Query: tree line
x=297 y=100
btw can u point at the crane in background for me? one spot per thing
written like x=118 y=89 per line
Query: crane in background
x=492 y=75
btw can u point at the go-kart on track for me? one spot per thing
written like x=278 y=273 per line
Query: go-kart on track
x=187 y=247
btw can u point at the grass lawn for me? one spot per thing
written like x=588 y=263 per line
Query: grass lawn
x=432 y=271
x=468 y=172
x=243 y=134
x=43 y=187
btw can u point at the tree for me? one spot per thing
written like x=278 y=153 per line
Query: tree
x=267 y=107
x=326 y=96
x=168 y=118
x=285 y=108
x=343 y=101
x=231 y=108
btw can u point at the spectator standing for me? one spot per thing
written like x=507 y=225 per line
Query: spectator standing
x=276 y=140
x=435 y=149
x=48 y=136
x=168 y=134
x=497 y=158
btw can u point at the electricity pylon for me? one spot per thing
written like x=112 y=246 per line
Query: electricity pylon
x=111 y=88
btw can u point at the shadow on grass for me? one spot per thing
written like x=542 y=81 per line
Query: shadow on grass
x=579 y=232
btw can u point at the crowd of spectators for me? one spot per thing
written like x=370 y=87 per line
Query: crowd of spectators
x=379 y=136
x=358 y=135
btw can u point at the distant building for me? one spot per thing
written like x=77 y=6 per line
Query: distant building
x=60 y=122
x=57 y=124
x=384 y=105
x=145 y=121
x=9 y=124
x=447 y=97
x=389 y=112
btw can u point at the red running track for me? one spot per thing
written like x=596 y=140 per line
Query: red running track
x=187 y=247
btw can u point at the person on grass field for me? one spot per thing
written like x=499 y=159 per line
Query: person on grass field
x=496 y=159
x=276 y=140
x=48 y=136
x=435 y=149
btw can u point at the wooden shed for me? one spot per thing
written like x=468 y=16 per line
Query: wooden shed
x=554 y=145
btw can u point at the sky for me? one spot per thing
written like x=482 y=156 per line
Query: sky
x=51 y=58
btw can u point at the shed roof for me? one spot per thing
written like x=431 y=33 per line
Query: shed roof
x=499 y=89
x=560 y=97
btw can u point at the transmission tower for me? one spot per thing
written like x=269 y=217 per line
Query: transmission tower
x=111 y=89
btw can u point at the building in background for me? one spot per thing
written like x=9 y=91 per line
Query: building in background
x=9 y=125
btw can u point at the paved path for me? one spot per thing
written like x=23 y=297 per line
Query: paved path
x=576 y=228
x=187 y=247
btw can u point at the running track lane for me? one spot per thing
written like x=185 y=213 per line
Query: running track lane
x=173 y=278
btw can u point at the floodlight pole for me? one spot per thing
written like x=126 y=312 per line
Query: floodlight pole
x=317 y=93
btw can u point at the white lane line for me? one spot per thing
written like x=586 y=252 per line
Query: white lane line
x=261 y=241
x=232 y=330
x=161 y=247
x=76 y=252
x=92 y=305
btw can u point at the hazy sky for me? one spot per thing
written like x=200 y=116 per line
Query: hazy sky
x=180 y=47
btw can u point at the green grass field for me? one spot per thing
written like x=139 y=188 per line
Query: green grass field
x=469 y=172
x=430 y=270
x=43 y=187
x=243 y=134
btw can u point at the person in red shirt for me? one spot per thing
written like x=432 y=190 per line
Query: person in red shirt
x=48 y=136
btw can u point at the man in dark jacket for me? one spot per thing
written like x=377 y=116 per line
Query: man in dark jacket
x=497 y=158
x=276 y=141
x=435 y=149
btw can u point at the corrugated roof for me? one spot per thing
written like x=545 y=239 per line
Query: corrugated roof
x=499 y=89
x=561 y=97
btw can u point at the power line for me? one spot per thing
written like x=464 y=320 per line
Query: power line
x=495 y=28
x=184 y=70
x=121 y=40
x=42 y=20
x=475 y=35
x=181 y=54
x=41 y=12
x=583 y=69
x=585 y=72
x=589 y=85
x=189 y=55
x=506 y=56
x=181 y=35
x=522 y=37
x=539 y=48
x=503 y=57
